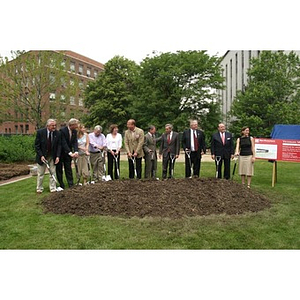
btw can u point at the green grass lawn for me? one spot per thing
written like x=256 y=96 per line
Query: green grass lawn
x=23 y=225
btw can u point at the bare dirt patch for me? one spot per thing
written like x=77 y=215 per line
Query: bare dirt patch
x=8 y=171
x=173 y=198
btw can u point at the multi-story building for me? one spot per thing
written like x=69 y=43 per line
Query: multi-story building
x=81 y=70
x=235 y=65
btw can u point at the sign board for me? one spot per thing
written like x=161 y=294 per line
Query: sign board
x=274 y=149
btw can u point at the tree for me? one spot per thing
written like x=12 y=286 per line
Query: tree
x=32 y=84
x=109 y=97
x=272 y=95
x=175 y=87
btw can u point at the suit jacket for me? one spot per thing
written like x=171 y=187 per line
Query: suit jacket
x=41 y=148
x=217 y=147
x=172 y=148
x=186 y=140
x=149 y=144
x=134 y=141
x=67 y=144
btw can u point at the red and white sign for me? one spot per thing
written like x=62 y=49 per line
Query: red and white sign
x=273 y=149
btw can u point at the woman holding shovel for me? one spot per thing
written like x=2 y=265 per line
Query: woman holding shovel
x=114 y=144
x=245 y=150
x=82 y=161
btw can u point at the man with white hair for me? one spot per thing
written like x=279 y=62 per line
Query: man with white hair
x=48 y=149
x=96 y=149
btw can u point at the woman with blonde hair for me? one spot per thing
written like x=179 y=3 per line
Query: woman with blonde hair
x=82 y=160
x=245 y=150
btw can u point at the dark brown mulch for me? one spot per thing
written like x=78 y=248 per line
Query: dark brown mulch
x=174 y=198
x=8 y=171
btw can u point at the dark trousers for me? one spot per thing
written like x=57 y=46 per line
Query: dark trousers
x=64 y=162
x=226 y=167
x=194 y=162
x=138 y=166
x=113 y=165
x=167 y=163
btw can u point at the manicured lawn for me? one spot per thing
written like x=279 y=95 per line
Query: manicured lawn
x=23 y=225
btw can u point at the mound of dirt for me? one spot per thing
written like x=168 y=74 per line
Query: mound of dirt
x=173 y=198
x=8 y=171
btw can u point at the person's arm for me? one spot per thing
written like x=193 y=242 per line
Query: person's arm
x=203 y=144
x=237 y=148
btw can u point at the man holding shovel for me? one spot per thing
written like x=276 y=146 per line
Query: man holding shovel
x=48 y=150
x=134 y=140
x=222 y=150
x=193 y=144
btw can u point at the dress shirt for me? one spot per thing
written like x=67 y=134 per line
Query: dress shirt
x=96 y=141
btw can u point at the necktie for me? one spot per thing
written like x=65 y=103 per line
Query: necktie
x=223 y=138
x=169 y=138
x=49 y=142
x=196 y=146
x=70 y=135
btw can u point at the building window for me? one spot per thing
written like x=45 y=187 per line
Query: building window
x=22 y=129
x=52 y=96
x=95 y=73
x=9 y=130
x=81 y=85
x=80 y=69
x=72 y=100
x=5 y=130
x=72 y=66
x=62 y=98
x=16 y=129
x=72 y=82
x=63 y=64
x=88 y=72
x=80 y=101
x=63 y=82
x=52 y=79
x=26 y=128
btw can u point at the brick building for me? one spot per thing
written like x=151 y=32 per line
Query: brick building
x=80 y=70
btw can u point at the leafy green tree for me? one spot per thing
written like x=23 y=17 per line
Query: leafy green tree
x=109 y=97
x=272 y=95
x=32 y=85
x=175 y=87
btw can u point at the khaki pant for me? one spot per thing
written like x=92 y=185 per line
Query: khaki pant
x=40 y=176
x=97 y=162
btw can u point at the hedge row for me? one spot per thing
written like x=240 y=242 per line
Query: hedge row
x=17 y=148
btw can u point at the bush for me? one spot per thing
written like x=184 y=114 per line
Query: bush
x=17 y=148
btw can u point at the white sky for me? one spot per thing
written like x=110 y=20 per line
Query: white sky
x=134 y=28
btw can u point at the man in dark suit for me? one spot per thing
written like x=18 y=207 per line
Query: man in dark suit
x=149 y=148
x=222 y=150
x=69 y=151
x=169 y=148
x=48 y=148
x=193 y=144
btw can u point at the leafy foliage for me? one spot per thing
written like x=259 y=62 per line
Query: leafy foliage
x=109 y=97
x=272 y=95
x=17 y=148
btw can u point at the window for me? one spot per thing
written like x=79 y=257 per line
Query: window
x=72 y=82
x=52 y=79
x=72 y=66
x=95 y=73
x=72 y=100
x=63 y=64
x=16 y=129
x=80 y=101
x=26 y=128
x=80 y=69
x=63 y=82
x=22 y=128
x=88 y=72
x=62 y=98
x=81 y=85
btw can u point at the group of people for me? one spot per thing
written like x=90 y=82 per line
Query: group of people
x=56 y=149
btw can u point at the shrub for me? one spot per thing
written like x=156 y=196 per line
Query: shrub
x=17 y=148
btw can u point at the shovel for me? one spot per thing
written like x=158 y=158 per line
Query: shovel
x=89 y=168
x=77 y=173
x=117 y=168
x=188 y=153
x=105 y=177
x=218 y=158
x=52 y=175
x=173 y=157
x=134 y=166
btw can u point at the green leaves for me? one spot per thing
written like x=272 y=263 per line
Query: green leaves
x=272 y=94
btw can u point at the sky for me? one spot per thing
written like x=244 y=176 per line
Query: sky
x=134 y=29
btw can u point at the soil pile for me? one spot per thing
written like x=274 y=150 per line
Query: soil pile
x=8 y=171
x=174 y=198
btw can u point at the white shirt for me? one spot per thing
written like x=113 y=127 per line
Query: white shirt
x=114 y=143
